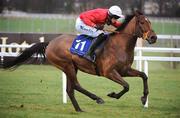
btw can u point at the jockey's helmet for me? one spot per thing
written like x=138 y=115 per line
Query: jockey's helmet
x=115 y=12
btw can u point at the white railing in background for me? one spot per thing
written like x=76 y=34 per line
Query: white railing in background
x=177 y=37
x=3 y=54
x=140 y=57
x=139 y=51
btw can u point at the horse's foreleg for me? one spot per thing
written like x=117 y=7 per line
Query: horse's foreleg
x=135 y=73
x=116 y=77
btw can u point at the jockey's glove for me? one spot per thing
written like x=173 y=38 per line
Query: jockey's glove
x=99 y=27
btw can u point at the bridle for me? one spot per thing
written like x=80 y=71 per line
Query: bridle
x=145 y=35
x=139 y=32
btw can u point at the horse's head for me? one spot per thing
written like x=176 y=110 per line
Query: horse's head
x=144 y=28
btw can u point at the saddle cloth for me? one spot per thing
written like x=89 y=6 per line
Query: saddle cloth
x=81 y=45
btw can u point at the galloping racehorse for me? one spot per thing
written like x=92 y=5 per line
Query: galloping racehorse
x=114 y=62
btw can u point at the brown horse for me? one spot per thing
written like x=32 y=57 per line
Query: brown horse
x=114 y=62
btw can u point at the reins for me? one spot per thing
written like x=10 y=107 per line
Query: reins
x=117 y=32
x=123 y=33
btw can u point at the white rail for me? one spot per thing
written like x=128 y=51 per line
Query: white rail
x=151 y=58
x=176 y=37
x=141 y=58
x=15 y=46
x=157 y=49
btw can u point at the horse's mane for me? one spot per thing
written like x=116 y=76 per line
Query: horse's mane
x=126 y=21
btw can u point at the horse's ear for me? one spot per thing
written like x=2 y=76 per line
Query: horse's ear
x=137 y=13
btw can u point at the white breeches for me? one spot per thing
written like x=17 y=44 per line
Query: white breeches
x=82 y=28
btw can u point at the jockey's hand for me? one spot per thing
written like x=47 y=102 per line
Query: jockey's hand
x=99 y=27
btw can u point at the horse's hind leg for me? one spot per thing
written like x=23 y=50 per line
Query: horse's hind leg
x=87 y=93
x=135 y=73
x=70 y=92
x=72 y=84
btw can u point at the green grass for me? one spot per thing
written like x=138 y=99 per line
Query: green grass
x=36 y=92
x=66 y=26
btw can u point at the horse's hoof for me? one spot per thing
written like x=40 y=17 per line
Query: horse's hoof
x=143 y=100
x=100 y=101
x=112 y=95
x=79 y=110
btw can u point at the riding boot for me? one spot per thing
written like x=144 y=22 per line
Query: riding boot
x=94 y=45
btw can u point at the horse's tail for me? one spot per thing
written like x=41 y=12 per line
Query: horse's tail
x=38 y=49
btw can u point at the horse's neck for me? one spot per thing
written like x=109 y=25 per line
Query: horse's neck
x=125 y=40
x=131 y=27
x=130 y=38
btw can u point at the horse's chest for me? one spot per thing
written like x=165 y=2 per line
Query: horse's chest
x=126 y=58
x=130 y=58
x=124 y=62
x=117 y=61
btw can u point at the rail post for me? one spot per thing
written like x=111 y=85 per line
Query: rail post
x=146 y=72
x=139 y=53
x=64 y=83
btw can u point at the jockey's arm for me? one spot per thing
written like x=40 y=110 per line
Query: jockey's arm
x=88 y=21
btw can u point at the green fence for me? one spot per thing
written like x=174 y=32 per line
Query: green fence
x=37 y=25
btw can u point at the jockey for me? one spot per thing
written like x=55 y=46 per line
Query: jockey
x=92 y=22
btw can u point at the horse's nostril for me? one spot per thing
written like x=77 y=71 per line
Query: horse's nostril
x=153 y=37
